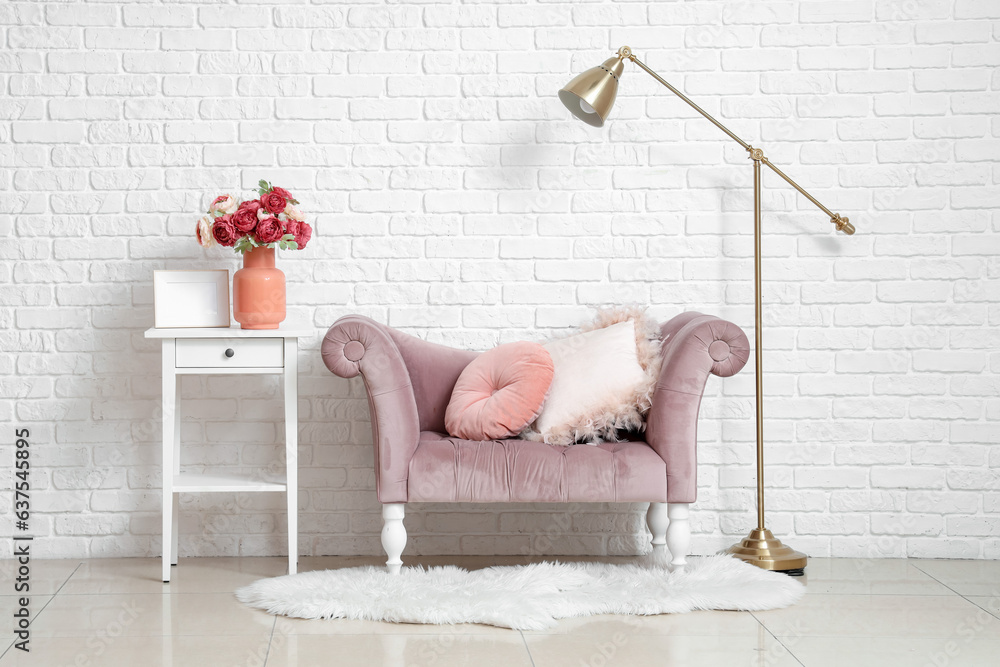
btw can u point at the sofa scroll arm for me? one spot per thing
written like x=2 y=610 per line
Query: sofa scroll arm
x=359 y=345
x=694 y=347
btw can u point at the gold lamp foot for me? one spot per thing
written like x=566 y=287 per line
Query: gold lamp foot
x=764 y=550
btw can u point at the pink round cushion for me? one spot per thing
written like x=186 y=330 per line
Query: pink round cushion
x=500 y=392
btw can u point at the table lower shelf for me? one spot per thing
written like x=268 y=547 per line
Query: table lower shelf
x=199 y=482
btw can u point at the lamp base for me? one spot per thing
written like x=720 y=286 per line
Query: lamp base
x=764 y=550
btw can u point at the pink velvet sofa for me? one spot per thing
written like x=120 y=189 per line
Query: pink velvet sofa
x=409 y=382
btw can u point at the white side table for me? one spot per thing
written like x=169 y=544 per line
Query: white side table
x=216 y=352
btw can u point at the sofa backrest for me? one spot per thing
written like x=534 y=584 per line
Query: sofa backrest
x=434 y=370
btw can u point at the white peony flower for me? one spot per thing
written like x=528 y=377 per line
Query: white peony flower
x=224 y=204
x=204 y=232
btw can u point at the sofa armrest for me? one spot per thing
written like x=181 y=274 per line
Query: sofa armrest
x=356 y=344
x=694 y=346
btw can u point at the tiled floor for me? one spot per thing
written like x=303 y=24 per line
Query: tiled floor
x=111 y=612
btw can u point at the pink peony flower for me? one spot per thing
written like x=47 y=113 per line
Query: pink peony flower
x=305 y=233
x=273 y=202
x=245 y=218
x=300 y=230
x=252 y=204
x=223 y=204
x=282 y=192
x=203 y=231
x=224 y=231
x=268 y=230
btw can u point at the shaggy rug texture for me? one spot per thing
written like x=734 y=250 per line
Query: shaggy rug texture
x=523 y=597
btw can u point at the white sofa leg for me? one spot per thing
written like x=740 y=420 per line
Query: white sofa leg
x=678 y=534
x=656 y=519
x=393 y=535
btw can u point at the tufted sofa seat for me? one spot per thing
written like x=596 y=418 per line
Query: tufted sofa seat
x=409 y=383
x=446 y=469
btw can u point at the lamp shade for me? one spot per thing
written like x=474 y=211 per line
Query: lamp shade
x=591 y=95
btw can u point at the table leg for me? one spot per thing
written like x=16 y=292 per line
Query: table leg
x=291 y=449
x=174 y=551
x=169 y=407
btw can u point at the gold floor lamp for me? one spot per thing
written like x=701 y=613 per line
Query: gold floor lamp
x=590 y=97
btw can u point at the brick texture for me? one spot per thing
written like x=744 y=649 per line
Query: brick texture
x=454 y=198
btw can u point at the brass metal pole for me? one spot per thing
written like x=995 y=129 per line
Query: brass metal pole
x=684 y=97
x=760 y=547
x=758 y=343
x=842 y=223
x=798 y=187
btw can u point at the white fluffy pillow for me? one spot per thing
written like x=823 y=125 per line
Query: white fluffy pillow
x=603 y=380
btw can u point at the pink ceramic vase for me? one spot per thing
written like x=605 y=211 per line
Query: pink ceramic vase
x=259 y=291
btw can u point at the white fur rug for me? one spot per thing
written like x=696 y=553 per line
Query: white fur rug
x=523 y=597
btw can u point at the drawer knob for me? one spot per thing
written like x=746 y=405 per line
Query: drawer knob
x=230 y=352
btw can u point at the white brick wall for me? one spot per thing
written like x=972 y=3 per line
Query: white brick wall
x=454 y=198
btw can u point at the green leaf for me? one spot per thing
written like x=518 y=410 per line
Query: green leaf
x=246 y=243
x=287 y=242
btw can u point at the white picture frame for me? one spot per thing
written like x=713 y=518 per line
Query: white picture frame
x=186 y=299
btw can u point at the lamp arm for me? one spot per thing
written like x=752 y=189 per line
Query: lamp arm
x=842 y=223
x=684 y=97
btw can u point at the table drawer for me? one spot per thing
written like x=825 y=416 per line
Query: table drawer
x=214 y=353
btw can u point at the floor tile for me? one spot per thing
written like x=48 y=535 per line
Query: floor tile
x=853 y=576
x=398 y=650
x=245 y=651
x=469 y=562
x=894 y=651
x=620 y=648
x=139 y=576
x=965 y=577
x=311 y=563
x=875 y=616
x=711 y=623
x=346 y=626
x=46 y=576
x=990 y=603
x=113 y=612
x=149 y=615
x=9 y=604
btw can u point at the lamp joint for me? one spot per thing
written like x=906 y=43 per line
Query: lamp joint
x=842 y=223
x=756 y=153
x=625 y=52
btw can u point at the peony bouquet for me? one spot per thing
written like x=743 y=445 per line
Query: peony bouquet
x=273 y=220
